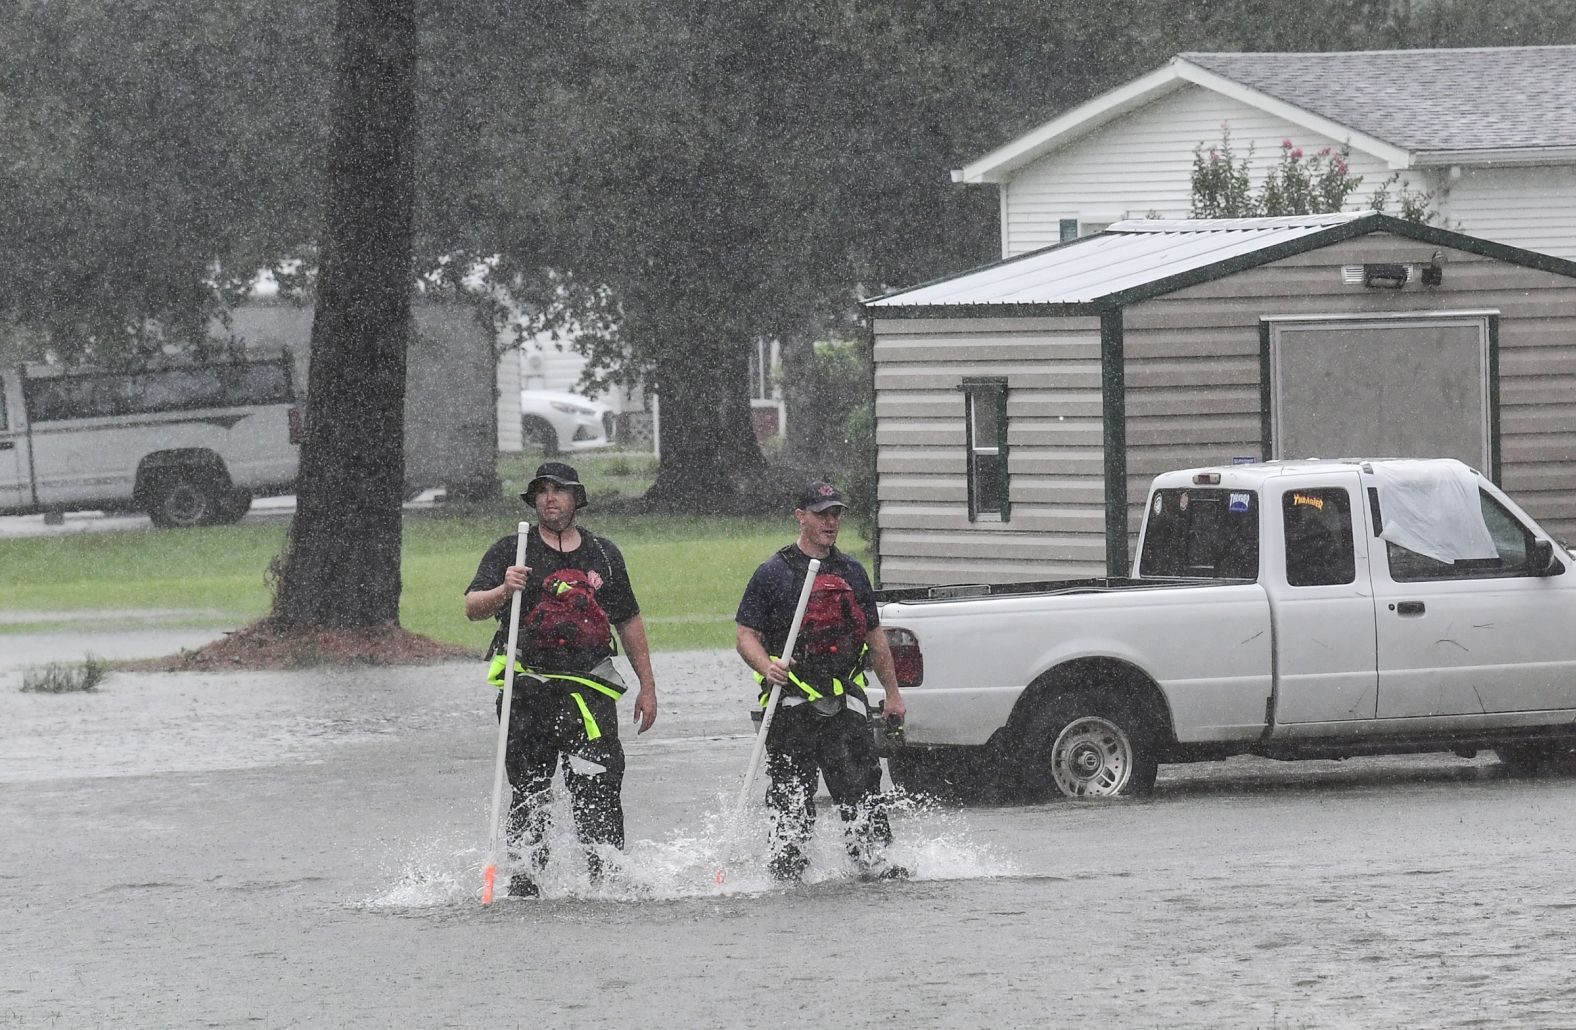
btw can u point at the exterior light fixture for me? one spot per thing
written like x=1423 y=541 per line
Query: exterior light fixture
x=1385 y=277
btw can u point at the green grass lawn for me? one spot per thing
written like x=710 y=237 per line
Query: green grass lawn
x=688 y=572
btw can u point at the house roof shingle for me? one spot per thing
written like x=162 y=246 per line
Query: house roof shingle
x=1409 y=107
x=1478 y=98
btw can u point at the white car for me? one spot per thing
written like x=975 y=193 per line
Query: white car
x=554 y=422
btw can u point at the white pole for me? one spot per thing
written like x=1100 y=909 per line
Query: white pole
x=777 y=689
x=490 y=872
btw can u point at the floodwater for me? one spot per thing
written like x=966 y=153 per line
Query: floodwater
x=305 y=849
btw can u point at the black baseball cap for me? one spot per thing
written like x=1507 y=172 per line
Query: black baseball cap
x=557 y=472
x=820 y=495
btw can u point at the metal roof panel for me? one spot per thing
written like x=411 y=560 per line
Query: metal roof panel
x=1125 y=256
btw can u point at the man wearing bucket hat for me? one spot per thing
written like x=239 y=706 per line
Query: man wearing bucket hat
x=575 y=590
x=822 y=726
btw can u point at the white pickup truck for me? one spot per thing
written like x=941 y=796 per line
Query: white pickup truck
x=1300 y=609
x=190 y=445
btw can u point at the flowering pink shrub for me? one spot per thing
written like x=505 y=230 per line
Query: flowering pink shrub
x=1296 y=185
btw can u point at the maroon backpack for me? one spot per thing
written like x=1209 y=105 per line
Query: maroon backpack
x=566 y=631
x=832 y=636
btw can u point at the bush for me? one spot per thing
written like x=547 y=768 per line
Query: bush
x=60 y=678
x=1298 y=184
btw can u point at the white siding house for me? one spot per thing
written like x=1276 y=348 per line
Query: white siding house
x=1490 y=131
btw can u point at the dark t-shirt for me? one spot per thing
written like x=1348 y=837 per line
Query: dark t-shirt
x=595 y=554
x=773 y=594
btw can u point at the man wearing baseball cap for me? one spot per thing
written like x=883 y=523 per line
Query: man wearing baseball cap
x=565 y=693
x=822 y=726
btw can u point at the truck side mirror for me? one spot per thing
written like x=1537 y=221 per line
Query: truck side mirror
x=1541 y=560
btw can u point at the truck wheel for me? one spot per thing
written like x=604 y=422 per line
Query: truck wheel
x=181 y=499
x=1084 y=746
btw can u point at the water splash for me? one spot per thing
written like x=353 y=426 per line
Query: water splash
x=724 y=857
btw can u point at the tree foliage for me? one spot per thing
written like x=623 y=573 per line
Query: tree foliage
x=150 y=172
x=667 y=179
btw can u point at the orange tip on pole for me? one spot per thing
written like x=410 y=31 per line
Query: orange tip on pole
x=488 y=875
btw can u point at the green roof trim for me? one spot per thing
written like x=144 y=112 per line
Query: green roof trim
x=1113 y=409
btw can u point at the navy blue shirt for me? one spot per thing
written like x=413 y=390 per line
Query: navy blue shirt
x=773 y=594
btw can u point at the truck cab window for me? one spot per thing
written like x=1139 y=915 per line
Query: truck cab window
x=186 y=388
x=1318 y=534
x=1202 y=534
x=985 y=416
x=1512 y=541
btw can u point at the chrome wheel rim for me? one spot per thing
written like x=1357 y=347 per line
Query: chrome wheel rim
x=1092 y=757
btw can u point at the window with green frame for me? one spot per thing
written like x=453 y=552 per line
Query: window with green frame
x=985 y=415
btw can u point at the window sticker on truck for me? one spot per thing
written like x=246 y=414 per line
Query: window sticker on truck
x=1158 y=505
x=1308 y=499
x=1240 y=502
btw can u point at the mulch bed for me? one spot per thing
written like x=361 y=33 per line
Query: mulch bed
x=266 y=645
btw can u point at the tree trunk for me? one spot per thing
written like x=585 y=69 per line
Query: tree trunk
x=341 y=566
x=707 y=439
x=806 y=436
x=741 y=450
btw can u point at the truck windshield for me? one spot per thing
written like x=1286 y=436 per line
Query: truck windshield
x=1202 y=534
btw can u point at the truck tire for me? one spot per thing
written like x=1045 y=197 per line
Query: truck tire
x=183 y=498
x=1084 y=745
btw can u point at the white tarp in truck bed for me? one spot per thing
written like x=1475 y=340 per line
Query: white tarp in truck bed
x=1431 y=506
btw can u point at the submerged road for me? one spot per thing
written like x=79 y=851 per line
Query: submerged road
x=304 y=849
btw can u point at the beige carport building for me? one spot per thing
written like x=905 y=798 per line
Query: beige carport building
x=1022 y=408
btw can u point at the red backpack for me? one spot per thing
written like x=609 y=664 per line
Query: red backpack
x=832 y=635
x=566 y=631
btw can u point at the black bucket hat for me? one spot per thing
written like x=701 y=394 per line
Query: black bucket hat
x=557 y=472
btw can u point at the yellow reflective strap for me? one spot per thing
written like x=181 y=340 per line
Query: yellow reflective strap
x=766 y=695
x=593 y=684
x=495 y=670
x=809 y=691
x=593 y=731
